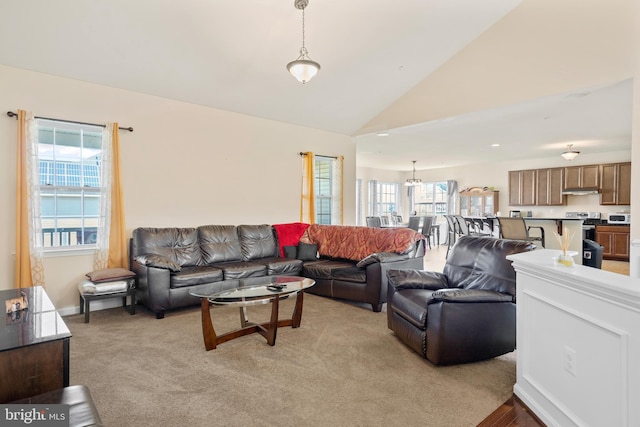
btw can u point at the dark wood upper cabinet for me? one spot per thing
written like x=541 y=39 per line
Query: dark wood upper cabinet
x=549 y=186
x=543 y=187
x=615 y=184
x=582 y=176
x=522 y=188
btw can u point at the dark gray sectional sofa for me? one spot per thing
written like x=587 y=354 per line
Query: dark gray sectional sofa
x=170 y=262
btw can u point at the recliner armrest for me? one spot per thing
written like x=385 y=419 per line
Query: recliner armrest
x=417 y=279
x=469 y=296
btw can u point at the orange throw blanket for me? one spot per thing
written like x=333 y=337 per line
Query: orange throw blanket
x=357 y=243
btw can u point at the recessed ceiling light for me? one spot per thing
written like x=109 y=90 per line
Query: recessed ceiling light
x=382 y=133
x=495 y=145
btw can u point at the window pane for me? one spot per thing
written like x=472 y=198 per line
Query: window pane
x=387 y=197
x=323 y=185
x=69 y=166
x=430 y=199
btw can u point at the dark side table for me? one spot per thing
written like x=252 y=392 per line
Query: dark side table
x=34 y=347
x=87 y=297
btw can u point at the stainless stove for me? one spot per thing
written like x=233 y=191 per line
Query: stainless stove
x=589 y=222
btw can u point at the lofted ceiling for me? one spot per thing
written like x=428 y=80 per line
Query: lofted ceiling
x=375 y=54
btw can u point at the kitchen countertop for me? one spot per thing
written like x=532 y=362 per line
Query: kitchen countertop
x=545 y=218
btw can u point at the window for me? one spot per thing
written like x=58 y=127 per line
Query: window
x=384 y=198
x=358 y=201
x=69 y=171
x=323 y=169
x=430 y=199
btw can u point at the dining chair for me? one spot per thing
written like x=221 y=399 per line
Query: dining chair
x=384 y=220
x=452 y=232
x=427 y=221
x=374 y=221
x=516 y=229
x=414 y=223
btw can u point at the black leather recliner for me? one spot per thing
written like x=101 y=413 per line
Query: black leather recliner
x=466 y=313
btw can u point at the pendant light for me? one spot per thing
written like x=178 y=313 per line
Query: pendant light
x=570 y=154
x=303 y=68
x=412 y=182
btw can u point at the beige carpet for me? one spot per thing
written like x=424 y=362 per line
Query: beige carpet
x=342 y=367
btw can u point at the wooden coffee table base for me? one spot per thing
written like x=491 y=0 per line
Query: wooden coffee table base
x=267 y=330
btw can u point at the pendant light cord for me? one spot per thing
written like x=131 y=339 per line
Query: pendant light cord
x=303 y=29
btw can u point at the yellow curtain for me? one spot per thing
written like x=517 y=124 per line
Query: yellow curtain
x=29 y=270
x=307 y=195
x=118 y=247
x=23 y=253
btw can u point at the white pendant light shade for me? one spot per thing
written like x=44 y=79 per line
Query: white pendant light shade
x=570 y=153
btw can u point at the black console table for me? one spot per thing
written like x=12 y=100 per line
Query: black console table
x=34 y=347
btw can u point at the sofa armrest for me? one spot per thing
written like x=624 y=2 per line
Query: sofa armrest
x=152 y=286
x=417 y=279
x=157 y=261
x=469 y=296
x=382 y=257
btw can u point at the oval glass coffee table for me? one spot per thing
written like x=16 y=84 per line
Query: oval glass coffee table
x=246 y=292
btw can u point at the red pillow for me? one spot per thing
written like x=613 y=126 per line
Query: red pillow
x=289 y=234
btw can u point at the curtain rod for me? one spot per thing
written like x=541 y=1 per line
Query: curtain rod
x=12 y=114
x=319 y=155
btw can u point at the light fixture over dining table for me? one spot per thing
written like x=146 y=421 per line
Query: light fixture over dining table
x=412 y=182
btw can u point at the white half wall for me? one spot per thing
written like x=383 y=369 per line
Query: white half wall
x=578 y=341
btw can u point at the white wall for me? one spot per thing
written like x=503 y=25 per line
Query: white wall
x=635 y=134
x=184 y=164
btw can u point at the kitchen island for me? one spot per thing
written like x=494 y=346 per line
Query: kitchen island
x=560 y=225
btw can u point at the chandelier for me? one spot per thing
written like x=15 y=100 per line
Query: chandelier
x=412 y=182
x=570 y=153
x=303 y=68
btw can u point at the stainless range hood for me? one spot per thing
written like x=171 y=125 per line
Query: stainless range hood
x=580 y=191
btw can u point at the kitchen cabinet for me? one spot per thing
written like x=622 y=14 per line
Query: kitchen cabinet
x=479 y=202
x=549 y=186
x=615 y=181
x=616 y=241
x=582 y=176
x=522 y=188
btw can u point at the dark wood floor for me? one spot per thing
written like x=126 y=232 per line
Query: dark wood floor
x=512 y=413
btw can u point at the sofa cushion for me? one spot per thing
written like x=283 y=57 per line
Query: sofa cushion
x=219 y=243
x=257 y=241
x=307 y=252
x=290 y=252
x=350 y=274
x=481 y=263
x=241 y=269
x=190 y=276
x=323 y=268
x=277 y=265
x=356 y=243
x=180 y=245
